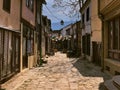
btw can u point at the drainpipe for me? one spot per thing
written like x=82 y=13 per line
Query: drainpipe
x=101 y=16
x=102 y=46
x=21 y=29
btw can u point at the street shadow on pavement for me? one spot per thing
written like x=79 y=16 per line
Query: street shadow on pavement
x=1 y=88
x=88 y=69
x=101 y=86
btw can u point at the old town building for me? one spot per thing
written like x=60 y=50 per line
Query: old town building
x=39 y=29
x=71 y=38
x=20 y=22
x=48 y=32
x=67 y=33
x=28 y=12
x=9 y=38
x=56 y=40
x=109 y=12
x=45 y=40
x=91 y=30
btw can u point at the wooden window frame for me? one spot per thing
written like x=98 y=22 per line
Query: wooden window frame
x=114 y=51
x=28 y=33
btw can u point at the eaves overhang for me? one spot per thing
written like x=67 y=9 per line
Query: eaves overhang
x=113 y=5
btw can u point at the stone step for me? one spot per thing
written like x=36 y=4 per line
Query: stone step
x=109 y=85
x=116 y=81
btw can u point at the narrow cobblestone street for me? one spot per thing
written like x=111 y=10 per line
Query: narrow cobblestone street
x=60 y=73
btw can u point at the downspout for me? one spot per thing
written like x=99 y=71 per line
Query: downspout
x=21 y=27
x=40 y=35
x=102 y=32
x=36 y=35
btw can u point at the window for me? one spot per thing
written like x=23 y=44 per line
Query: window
x=84 y=1
x=6 y=5
x=30 y=4
x=28 y=34
x=8 y=55
x=68 y=32
x=27 y=3
x=30 y=43
x=87 y=14
x=115 y=34
x=44 y=20
x=114 y=38
x=110 y=38
x=83 y=18
x=86 y=44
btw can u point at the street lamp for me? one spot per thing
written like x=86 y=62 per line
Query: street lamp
x=62 y=22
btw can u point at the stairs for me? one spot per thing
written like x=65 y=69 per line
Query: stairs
x=113 y=84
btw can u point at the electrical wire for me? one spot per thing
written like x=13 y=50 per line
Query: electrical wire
x=52 y=13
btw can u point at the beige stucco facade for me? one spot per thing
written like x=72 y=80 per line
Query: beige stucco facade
x=109 y=9
x=95 y=22
x=91 y=27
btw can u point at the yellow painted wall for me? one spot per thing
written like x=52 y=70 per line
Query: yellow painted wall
x=30 y=61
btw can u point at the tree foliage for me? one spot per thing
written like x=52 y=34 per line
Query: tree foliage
x=68 y=7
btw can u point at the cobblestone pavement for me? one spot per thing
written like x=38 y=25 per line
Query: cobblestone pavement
x=60 y=73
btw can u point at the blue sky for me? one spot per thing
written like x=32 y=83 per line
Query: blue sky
x=55 y=15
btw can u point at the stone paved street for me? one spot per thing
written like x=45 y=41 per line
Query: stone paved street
x=60 y=73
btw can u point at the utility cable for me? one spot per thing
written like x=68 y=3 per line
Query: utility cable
x=52 y=13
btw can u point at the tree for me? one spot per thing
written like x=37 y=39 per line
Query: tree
x=68 y=7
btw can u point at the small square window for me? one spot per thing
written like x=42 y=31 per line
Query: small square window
x=27 y=3
x=30 y=4
x=7 y=5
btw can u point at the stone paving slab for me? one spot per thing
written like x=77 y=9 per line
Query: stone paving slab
x=60 y=73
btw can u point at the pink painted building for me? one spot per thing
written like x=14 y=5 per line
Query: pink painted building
x=9 y=38
x=20 y=31
x=28 y=15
